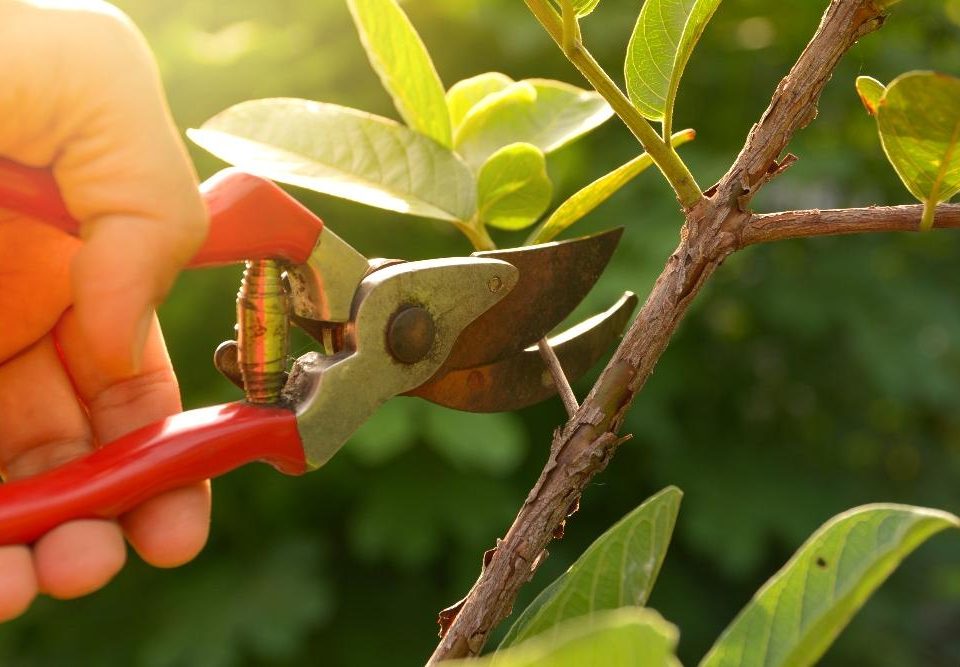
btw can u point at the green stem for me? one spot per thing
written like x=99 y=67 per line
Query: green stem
x=666 y=159
x=929 y=215
x=476 y=232
x=571 y=29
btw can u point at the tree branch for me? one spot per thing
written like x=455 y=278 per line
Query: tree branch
x=714 y=228
x=801 y=224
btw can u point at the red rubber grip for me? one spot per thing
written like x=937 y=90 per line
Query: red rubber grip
x=186 y=448
x=250 y=217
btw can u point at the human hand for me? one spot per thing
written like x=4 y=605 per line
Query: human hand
x=82 y=359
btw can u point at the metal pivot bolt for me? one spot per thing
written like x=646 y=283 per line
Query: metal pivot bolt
x=411 y=334
x=262 y=327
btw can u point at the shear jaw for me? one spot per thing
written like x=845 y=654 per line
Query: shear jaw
x=406 y=320
x=322 y=288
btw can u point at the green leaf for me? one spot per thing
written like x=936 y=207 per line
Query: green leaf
x=658 y=52
x=587 y=199
x=401 y=60
x=617 y=570
x=466 y=94
x=493 y=443
x=513 y=189
x=547 y=114
x=919 y=121
x=795 y=617
x=627 y=636
x=581 y=7
x=342 y=152
x=870 y=91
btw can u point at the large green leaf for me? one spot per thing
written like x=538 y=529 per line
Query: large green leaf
x=871 y=92
x=547 y=114
x=617 y=570
x=513 y=189
x=464 y=95
x=629 y=636
x=342 y=152
x=587 y=199
x=795 y=617
x=919 y=121
x=663 y=40
x=401 y=60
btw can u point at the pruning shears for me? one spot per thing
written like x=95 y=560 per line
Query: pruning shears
x=460 y=332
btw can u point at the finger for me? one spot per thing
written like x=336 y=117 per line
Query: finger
x=42 y=426
x=101 y=120
x=79 y=557
x=18 y=584
x=34 y=273
x=172 y=528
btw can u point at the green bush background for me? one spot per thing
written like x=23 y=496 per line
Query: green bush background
x=809 y=377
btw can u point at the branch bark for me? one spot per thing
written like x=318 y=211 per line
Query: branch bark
x=715 y=227
x=831 y=222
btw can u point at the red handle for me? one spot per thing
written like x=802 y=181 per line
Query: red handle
x=186 y=448
x=250 y=217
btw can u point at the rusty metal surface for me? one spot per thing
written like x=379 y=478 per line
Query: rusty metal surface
x=554 y=278
x=523 y=379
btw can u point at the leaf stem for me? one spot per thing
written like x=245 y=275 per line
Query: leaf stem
x=477 y=234
x=571 y=29
x=929 y=215
x=673 y=168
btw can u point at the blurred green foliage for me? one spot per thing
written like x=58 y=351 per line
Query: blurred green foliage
x=809 y=377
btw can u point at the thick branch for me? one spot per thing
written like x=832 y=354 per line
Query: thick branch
x=584 y=446
x=800 y=224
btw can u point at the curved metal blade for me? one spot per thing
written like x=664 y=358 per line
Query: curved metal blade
x=554 y=278
x=523 y=379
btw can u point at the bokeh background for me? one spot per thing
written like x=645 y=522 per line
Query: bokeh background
x=809 y=377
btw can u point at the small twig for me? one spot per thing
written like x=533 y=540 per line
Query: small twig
x=801 y=224
x=559 y=377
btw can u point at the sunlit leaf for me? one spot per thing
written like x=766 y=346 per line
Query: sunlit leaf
x=464 y=95
x=513 y=189
x=401 y=60
x=342 y=152
x=629 y=636
x=617 y=570
x=661 y=45
x=919 y=121
x=798 y=613
x=587 y=199
x=870 y=91
x=547 y=114
x=581 y=7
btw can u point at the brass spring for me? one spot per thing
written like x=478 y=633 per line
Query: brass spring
x=262 y=327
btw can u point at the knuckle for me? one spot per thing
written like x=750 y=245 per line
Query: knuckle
x=146 y=389
x=45 y=456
